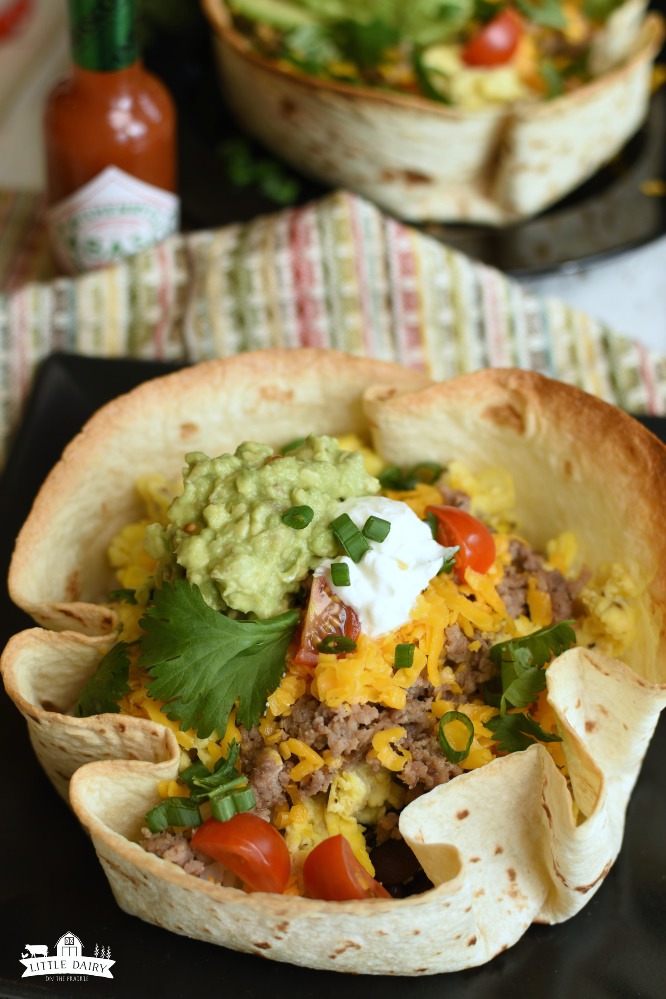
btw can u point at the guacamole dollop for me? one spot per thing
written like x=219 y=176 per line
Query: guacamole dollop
x=225 y=531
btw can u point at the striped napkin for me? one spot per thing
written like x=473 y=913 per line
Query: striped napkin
x=335 y=273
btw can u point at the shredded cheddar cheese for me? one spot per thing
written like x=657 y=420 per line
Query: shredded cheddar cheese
x=577 y=28
x=361 y=676
x=391 y=757
x=309 y=760
x=139 y=703
x=285 y=696
x=419 y=498
x=269 y=728
x=544 y=714
x=172 y=789
x=539 y=604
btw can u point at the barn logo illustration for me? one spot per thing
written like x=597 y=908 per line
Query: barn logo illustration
x=69 y=963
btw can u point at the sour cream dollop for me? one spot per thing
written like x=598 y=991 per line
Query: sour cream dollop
x=384 y=585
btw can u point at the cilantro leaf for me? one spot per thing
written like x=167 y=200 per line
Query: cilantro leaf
x=246 y=165
x=521 y=685
x=421 y=22
x=485 y=10
x=310 y=48
x=517 y=732
x=520 y=661
x=107 y=685
x=600 y=10
x=364 y=43
x=426 y=22
x=547 y=13
x=202 y=662
x=449 y=559
x=538 y=648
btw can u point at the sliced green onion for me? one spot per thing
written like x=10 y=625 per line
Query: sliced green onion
x=173 y=812
x=425 y=471
x=222 y=808
x=404 y=656
x=211 y=790
x=244 y=800
x=195 y=770
x=455 y=755
x=336 y=644
x=423 y=75
x=340 y=574
x=349 y=536
x=449 y=560
x=223 y=784
x=224 y=778
x=292 y=445
x=298 y=517
x=432 y=521
x=376 y=529
x=124 y=596
x=228 y=762
x=392 y=478
x=389 y=478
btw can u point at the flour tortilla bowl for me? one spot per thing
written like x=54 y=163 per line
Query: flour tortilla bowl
x=60 y=572
x=422 y=160
x=505 y=845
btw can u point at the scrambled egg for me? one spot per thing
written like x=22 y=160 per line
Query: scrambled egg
x=356 y=798
x=492 y=492
x=610 y=622
x=127 y=555
x=373 y=463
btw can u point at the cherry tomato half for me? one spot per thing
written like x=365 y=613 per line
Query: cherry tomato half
x=332 y=872
x=250 y=847
x=325 y=616
x=457 y=527
x=495 y=43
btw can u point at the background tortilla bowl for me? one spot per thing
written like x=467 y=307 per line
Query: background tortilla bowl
x=501 y=844
x=425 y=161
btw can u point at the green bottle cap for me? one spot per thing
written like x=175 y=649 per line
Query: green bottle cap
x=103 y=34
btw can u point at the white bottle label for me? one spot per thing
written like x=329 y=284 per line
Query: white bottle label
x=111 y=217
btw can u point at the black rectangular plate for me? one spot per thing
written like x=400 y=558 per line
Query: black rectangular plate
x=52 y=882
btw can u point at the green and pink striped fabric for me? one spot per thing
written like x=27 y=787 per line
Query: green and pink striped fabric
x=335 y=273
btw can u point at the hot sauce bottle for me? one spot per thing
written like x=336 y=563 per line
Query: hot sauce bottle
x=109 y=130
